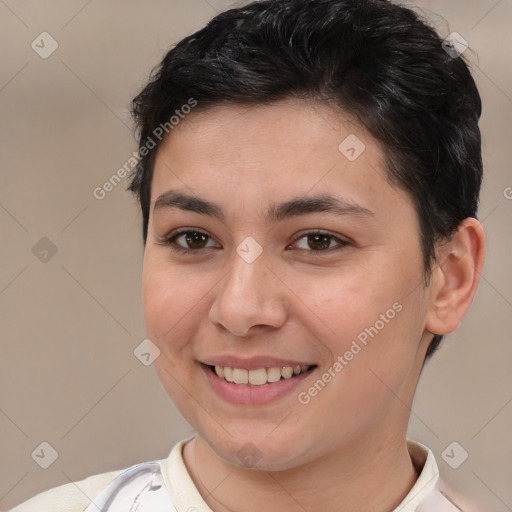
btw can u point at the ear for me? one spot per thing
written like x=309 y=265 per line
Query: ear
x=455 y=277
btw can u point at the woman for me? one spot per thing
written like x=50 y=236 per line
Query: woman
x=309 y=177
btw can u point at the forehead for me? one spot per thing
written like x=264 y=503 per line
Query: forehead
x=253 y=154
x=285 y=126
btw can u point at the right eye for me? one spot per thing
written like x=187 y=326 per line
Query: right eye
x=193 y=241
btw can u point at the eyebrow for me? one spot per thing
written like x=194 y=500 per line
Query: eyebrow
x=324 y=203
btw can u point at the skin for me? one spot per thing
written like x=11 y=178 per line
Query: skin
x=296 y=302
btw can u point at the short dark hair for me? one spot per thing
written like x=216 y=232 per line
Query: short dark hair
x=376 y=61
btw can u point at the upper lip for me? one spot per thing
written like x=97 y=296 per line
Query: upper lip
x=253 y=363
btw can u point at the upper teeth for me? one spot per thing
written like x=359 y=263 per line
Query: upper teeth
x=260 y=376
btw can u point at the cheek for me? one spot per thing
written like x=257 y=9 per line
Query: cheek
x=369 y=315
x=171 y=305
x=344 y=302
x=171 y=302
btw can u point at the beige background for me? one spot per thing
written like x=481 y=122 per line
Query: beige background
x=68 y=375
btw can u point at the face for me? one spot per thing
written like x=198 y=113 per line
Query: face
x=290 y=252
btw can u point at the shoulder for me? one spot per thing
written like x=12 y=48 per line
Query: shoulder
x=431 y=493
x=455 y=497
x=72 y=497
x=88 y=493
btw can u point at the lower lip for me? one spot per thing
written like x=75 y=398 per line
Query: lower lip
x=246 y=394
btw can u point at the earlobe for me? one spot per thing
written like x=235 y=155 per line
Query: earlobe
x=455 y=277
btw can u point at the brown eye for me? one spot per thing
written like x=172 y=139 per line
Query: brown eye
x=195 y=240
x=188 y=241
x=319 y=242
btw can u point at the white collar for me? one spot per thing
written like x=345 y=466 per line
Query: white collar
x=424 y=496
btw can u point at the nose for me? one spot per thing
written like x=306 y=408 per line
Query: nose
x=249 y=298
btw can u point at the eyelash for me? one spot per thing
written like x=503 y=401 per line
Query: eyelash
x=170 y=241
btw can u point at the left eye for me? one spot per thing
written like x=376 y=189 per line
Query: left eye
x=319 y=242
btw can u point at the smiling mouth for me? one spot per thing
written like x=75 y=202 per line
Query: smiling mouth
x=259 y=376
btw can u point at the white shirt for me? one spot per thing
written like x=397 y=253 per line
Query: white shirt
x=166 y=486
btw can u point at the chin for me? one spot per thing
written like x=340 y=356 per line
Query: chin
x=255 y=451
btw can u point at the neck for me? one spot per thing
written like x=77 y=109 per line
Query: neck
x=376 y=477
